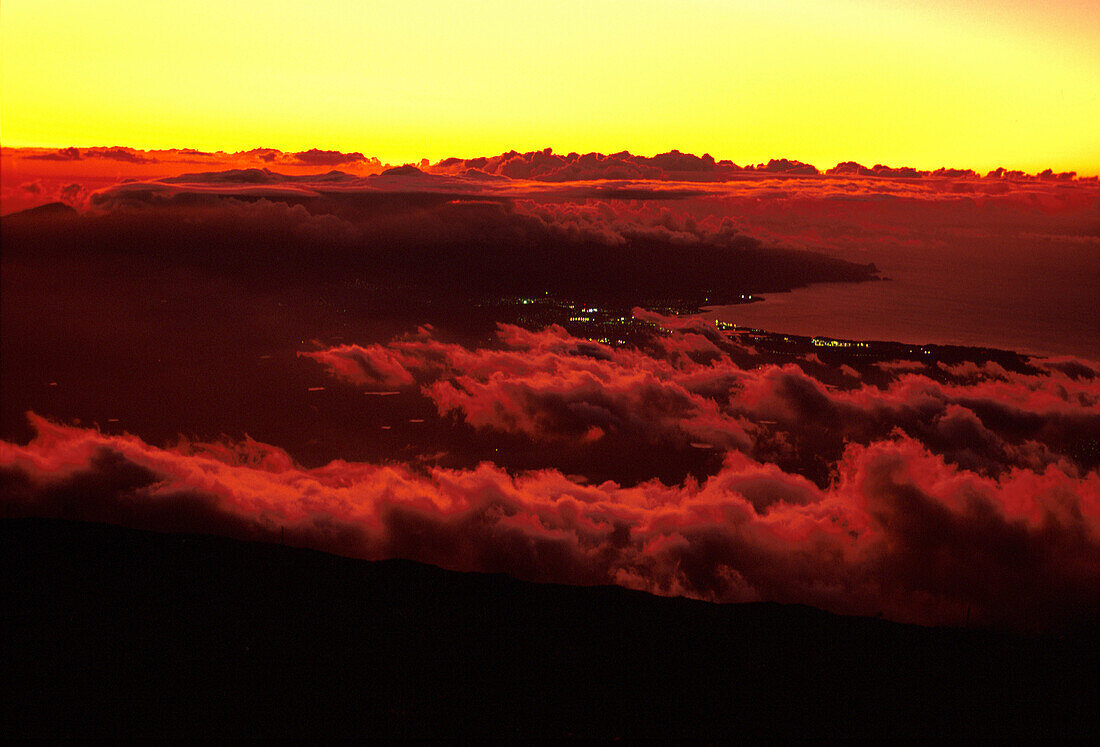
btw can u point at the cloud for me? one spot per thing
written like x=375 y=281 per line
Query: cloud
x=684 y=463
x=545 y=165
x=789 y=202
x=693 y=387
x=261 y=223
x=549 y=169
x=900 y=532
x=40 y=193
x=120 y=154
x=548 y=386
x=849 y=168
x=785 y=166
x=315 y=157
x=62 y=154
x=130 y=155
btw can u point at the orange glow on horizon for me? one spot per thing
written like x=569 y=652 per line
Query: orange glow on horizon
x=977 y=84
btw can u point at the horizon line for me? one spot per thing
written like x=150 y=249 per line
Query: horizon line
x=355 y=156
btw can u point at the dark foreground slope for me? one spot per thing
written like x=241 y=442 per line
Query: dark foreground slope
x=108 y=631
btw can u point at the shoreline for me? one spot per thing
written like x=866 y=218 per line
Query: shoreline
x=617 y=325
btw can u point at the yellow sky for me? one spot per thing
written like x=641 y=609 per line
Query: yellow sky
x=925 y=83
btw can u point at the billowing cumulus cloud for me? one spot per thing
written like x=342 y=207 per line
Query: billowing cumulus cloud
x=694 y=389
x=786 y=166
x=900 y=532
x=555 y=387
x=683 y=460
x=317 y=157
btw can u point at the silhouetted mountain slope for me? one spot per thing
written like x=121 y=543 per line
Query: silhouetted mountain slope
x=114 y=632
x=49 y=210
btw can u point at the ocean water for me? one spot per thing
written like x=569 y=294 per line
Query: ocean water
x=1038 y=295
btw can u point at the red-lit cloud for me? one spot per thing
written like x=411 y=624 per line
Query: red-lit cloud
x=900 y=532
x=696 y=388
x=959 y=487
x=694 y=464
x=536 y=172
x=315 y=157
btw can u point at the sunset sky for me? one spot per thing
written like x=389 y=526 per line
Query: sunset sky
x=973 y=84
x=427 y=368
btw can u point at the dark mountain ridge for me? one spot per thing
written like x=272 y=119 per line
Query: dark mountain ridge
x=121 y=633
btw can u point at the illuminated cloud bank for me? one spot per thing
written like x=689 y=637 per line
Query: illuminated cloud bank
x=33 y=176
x=429 y=231
x=948 y=491
x=450 y=217
x=687 y=464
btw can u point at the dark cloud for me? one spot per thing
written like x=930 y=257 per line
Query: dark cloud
x=906 y=172
x=264 y=154
x=1075 y=368
x=785 y=166
x=674 y=160
x=63 y=154
x=129 y=155
x=315 y=157
x=407 y=170
x=545 y=165
x=263 y=225
x=248 y=177
x=852 y=168
x=955 y=173
x=231 y=177
x=1050 y=175
x=849 y=168
x=39 y=191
